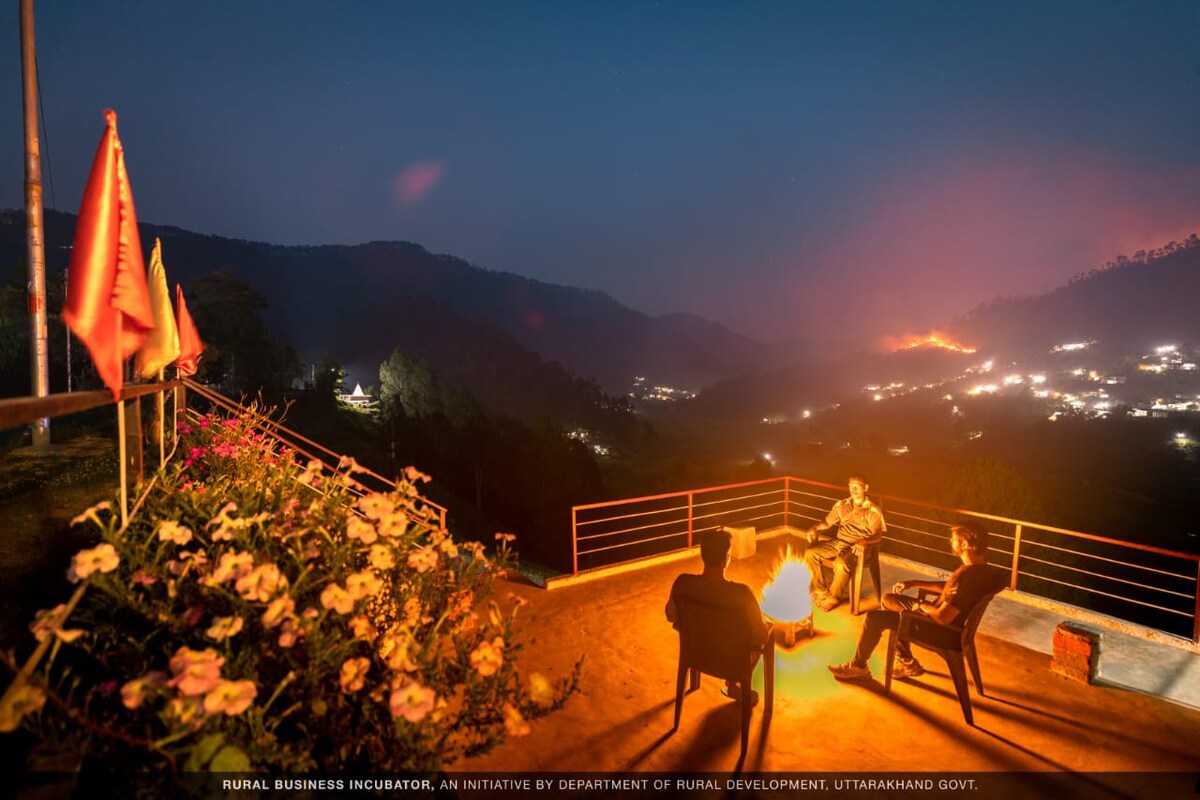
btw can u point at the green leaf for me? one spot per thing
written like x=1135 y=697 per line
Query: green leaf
x=230 y=759
x=203 y=751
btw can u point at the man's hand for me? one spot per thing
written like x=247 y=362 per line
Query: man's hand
x=901 y=587
x=812 y=534
x=859 y=548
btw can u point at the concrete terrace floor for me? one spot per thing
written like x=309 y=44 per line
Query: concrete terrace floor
x=620 y=720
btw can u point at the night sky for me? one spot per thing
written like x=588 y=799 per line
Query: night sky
x=788 y=169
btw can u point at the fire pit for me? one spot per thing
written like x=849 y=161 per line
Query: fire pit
x=786 y=601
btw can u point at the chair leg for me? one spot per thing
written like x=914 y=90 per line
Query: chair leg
x=876 y=574
x=856 y=581
x=958 y=672
x=769 y=677
x=695 y=684
x=680 y=680
x=746 y=702
x=893 y=635
x=973 y=662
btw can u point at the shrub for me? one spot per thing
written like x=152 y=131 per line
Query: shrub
x=260 y=614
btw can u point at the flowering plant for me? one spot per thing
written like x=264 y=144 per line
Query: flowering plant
x=260 y=613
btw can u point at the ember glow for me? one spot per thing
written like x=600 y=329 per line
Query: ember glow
x=785 y=595
x=932 y=339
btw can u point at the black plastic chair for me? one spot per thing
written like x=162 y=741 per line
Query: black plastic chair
x=868 y=562
x=713 y=640
x=955 y=646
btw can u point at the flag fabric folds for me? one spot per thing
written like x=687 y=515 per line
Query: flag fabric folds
x=162 y=344
x=108 y=305
x=190 y=345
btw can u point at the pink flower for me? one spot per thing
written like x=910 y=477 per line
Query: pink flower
x=363 y=628
x=336 y=598
x=196 y=671
x=505 y=537
x=261 y=584
x=382 y=557
x=93 y=514
x=376 y=506
x=514 y=723
x=488 y=656
x=393 y=525
x=134 y=693
x=102 y=558
x=354 y=674
x=394 y=651
x=289 y=633
x=224 y=628
x=230 y=697
x=277 y=610
x=49 y=621
x=411 y=701
x=231 y=565
x=413 y=474
x=359 y=528
x=423 y=560
x=363 y=584
x=170 y=531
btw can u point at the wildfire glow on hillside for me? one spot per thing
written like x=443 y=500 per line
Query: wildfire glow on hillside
x=932 y=339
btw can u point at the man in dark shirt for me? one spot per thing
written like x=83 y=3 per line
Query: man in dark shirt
x=959 y=594
x=711 y=588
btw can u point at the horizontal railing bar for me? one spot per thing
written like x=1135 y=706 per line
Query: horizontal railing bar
x=684 y=493
x=17 y=411
x=1191 y=578
x=1106 y=594
x=597 y=520
x=1103 y=577
x=682 y=522
x=734 y=511
x=631 y=544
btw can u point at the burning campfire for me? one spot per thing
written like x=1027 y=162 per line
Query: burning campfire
x=785 y=598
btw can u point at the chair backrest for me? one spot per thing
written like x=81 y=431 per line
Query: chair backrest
x=712 y=638
x=971 y=623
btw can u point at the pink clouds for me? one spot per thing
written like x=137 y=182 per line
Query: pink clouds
x=933 y=240
x=416 y=180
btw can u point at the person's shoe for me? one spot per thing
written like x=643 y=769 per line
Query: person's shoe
x=733 y=693
x=850 y=672
x=827 y=602
x=907 y=669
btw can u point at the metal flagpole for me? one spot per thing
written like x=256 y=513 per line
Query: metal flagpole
x=38 y=339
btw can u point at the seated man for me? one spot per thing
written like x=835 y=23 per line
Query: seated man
x=860 y=523
x=711 y=588
x=959 y=594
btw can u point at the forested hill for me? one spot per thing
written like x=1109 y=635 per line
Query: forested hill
x=1128 y=305
x=346 y=300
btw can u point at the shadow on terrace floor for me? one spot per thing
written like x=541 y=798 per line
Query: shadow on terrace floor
x=1032 y=720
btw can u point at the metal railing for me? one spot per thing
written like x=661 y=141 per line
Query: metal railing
x=1152 y=586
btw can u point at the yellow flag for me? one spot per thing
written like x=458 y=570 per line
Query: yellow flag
x=162 y=345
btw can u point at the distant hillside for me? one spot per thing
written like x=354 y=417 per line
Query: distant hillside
x=348 y=300
x=1128 y=305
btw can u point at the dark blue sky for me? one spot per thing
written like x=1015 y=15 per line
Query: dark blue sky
x=784 y=168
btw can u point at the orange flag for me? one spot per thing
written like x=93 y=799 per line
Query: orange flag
x=108 y=305
x=190 y=345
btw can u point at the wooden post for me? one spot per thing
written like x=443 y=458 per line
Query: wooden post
x=1012 y=583
x=124 y=465
x=161 y=407
x=133 y=441
x=180 y=404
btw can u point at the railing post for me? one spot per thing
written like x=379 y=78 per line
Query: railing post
x=574 y=541
x=180 y=403
x=133 y=436
x=690 y=505
x=161 y=406
x=1196 y=616
x=124 y=466
x=1012 y=584
x=787 y=484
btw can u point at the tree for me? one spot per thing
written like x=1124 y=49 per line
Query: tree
x=992 y=487
x=241 y=355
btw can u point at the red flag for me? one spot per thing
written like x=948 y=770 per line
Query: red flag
x=190 y=345
x=108 y=306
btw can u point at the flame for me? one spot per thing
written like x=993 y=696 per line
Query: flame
x=785 y=596
x=932 y=339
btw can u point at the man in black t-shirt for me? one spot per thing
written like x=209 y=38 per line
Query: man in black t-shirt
x=959 y=594
x=710 y=588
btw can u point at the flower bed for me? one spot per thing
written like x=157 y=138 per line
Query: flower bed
x=261 y=614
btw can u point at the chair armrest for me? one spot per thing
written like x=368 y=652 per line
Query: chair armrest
x=925 y=595
x=907 y=618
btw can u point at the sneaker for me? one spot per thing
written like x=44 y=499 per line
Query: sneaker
x=733 y=693
x=827 y=602
x=907 y=669
x=850 y=672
